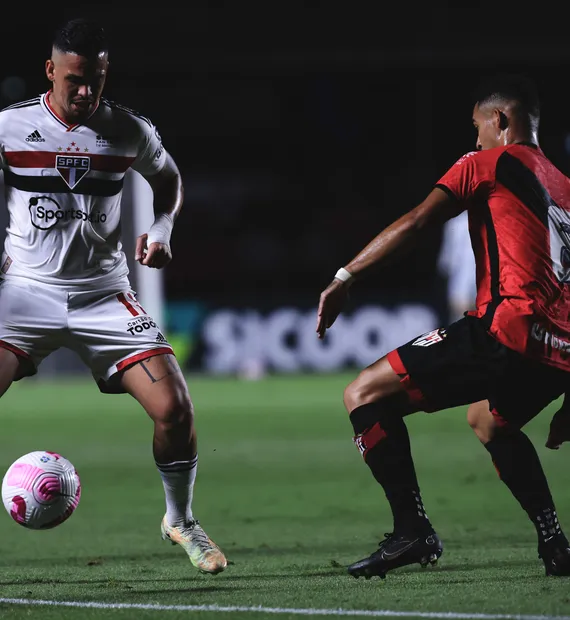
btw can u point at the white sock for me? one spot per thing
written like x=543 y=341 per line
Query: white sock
x=178 y=481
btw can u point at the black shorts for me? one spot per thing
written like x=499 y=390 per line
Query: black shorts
x=462 y=364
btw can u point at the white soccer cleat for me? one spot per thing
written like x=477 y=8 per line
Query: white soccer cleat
x=203 y=552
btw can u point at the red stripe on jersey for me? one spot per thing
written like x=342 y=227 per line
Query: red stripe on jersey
x=46 y=159
x=121 y=297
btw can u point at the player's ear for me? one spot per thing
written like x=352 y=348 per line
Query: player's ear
x=49 y=70
x=503 y=120
x=500 y=119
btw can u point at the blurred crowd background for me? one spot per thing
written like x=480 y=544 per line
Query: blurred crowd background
x=301 y=130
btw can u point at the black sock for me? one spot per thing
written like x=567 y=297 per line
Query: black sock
x=383 y=440
x=519 y=467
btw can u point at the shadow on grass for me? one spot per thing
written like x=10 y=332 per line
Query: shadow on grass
x=196 y=582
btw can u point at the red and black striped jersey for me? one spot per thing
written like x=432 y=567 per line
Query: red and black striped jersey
x=518 y=205
x=63 y=186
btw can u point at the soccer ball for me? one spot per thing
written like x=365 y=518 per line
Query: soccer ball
x=41 y=490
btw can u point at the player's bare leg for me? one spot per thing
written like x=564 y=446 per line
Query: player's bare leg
x=159 y=386
x=9 y=368
x=377 y=404
x=481 y=420
x=518 y=465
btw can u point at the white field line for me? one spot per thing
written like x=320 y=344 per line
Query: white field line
x=363 y=613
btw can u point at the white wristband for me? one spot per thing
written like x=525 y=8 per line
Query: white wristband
x=343 y=274
x=161 y=230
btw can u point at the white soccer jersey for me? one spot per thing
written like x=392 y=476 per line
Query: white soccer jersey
x=63 y=190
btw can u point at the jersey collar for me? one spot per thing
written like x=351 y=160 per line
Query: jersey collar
x=48 y=108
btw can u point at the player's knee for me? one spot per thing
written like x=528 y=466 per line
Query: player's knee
x=484 y=422
x=175 y=409
x=482 y=428
x=353 y=395
x=366 y=388
x=473 y=417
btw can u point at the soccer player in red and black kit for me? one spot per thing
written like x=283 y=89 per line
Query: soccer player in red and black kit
x=512 y=352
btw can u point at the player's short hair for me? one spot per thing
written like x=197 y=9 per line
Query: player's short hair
x=510 y=88
x=80 y=36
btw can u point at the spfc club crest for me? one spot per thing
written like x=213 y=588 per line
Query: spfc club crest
x=433 y=337
x=72 y=166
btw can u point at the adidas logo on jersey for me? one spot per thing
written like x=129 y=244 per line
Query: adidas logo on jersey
x=35 y=136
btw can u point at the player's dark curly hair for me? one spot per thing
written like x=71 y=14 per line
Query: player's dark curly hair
x=510 y=88
x=81 y=36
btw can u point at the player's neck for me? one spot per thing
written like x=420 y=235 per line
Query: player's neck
x=526 y=143
x=59 y=111
x=522 y=135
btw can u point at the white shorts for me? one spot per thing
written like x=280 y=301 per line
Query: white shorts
x=109 y=330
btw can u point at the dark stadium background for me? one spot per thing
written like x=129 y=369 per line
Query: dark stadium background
x=302 y=129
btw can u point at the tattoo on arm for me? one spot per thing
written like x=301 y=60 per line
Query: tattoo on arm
x=172 y=369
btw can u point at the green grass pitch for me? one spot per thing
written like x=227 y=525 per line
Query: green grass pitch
x=282 y=489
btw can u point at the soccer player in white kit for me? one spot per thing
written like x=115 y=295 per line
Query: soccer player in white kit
x=64 y=277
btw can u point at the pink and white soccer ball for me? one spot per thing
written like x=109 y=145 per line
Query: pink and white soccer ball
x=41 y=490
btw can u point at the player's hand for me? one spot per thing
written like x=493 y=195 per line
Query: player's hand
x=157 y=256
x=331 y=303
x=559 y=429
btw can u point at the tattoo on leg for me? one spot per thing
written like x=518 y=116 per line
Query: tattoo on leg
x=143 y=366
x=173 y=369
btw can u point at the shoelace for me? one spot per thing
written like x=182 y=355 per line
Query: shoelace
x=387 y=536
x=198 y=535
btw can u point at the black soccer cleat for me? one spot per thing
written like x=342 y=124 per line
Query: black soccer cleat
x=555 y=553
x=398 y=550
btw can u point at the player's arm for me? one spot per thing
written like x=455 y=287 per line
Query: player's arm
x=401 y=236
x=153 y=248
x=404 y=233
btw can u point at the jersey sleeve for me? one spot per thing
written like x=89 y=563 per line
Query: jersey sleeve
x=151 y=155
x=468 y=179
